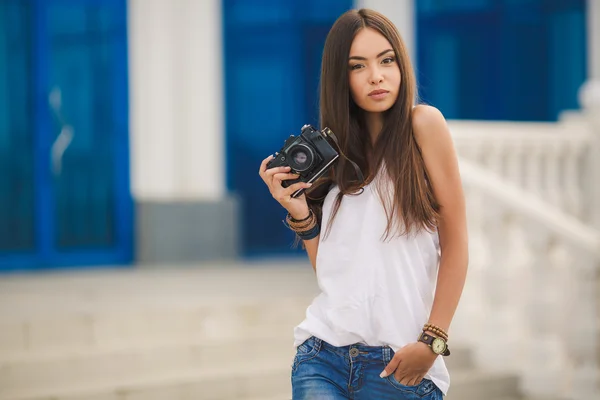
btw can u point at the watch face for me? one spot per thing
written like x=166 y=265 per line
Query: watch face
x=438 y=346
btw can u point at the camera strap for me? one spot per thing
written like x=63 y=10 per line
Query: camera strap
x=359 y=173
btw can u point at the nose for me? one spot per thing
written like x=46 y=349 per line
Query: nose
x=376 y=76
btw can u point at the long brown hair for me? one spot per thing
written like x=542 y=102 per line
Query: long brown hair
x=411 y=205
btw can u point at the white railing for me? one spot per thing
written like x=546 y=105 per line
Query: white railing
x=530 y=302
x=550 y=160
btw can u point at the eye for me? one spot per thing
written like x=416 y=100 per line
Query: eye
x=388 y=60
x=355 y=66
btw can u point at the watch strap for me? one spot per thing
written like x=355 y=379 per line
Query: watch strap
x=428 y=340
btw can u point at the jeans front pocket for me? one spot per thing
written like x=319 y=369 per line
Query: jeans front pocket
x=420 y=391
x=306 y=351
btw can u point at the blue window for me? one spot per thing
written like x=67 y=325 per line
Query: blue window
x=64 y=190
x=501 y=59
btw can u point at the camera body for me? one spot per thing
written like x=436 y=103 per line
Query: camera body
x=310 y=155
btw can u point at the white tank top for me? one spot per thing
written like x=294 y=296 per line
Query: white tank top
x=373 y=291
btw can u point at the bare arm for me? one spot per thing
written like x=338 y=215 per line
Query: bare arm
x=441 y=162
x=311 y=247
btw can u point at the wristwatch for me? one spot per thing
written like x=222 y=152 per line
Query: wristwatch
x=437 y=344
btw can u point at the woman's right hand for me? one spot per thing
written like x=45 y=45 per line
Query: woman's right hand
x=297 y=207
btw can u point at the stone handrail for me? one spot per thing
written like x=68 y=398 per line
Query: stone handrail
x=550 y=160
x=530 y=300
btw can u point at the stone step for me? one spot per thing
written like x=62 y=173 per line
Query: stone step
x=249 y=379
x=102 y=328
x=281 y=396
x=210 y=335
x=43 y=371
x=256 y=381
x=99 y=308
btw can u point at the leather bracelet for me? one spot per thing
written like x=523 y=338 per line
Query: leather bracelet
x=303 y=226
x=303 y=219
x=310 y=234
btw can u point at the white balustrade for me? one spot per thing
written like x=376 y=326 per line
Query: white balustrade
x=548 y=159
x=530 y=302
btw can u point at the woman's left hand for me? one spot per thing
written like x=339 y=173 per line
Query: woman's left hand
x=410 y=364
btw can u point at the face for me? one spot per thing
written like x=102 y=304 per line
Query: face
x=374 y=73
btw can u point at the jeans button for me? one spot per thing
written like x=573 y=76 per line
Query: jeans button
x=353 y=352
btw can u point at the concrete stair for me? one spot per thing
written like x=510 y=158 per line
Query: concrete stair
x=216 y=333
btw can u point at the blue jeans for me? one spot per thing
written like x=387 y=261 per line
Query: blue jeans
x=321 y=371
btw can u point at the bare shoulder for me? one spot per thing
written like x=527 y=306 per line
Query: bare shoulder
x=429 y=125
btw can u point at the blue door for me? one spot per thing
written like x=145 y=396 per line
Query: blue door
x=64 y=187
x=272 y=64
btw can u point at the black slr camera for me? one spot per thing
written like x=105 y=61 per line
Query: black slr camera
x=309 y=155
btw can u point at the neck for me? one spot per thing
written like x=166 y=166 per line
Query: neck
x=374 y=125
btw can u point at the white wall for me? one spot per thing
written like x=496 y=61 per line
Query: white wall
x=402 y=14
x=176 y=100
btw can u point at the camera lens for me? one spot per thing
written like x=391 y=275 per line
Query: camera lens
x=300 y=157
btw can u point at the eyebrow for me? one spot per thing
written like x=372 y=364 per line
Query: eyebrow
x=378 y=55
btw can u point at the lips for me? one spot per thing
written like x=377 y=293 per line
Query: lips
x=378 y=92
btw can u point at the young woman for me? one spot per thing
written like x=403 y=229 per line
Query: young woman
x=389 y=250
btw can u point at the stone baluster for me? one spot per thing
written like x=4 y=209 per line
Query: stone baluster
x=572 y=176
x=581 y=326
x=471 y=311
x=533 y=170
x=544 y=354
x=552 y=187
x=494 y=153
x=590 y=101
x=497 y=285
x=519 y=273
x=514 y=163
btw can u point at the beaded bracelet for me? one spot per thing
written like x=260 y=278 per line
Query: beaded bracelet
x=437 y=330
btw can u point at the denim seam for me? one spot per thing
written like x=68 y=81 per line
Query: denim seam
x=316 y=349
x=409 y=389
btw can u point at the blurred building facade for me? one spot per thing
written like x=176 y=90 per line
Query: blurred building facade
x=132 y=131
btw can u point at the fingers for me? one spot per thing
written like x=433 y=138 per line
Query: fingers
x=410 y=381
x=267 y=174
x=263 y=165
x=284 y=195
x=287 y=192
x=270 y=173
x=277 y=170
x=417 y=381
x=284 y=176
x=391 y=367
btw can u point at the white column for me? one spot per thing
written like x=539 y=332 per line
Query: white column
x=593 y=39
x=402 y=14
x=176 y=99
x=589 y=98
